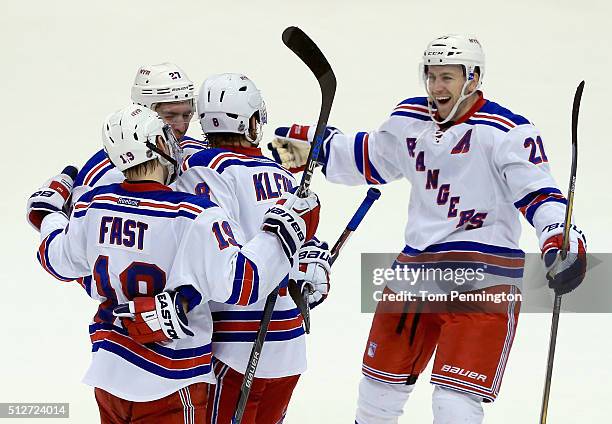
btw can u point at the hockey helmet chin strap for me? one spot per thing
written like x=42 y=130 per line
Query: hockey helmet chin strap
x=168 y=161
x=261 y=118
x=464 y=95
x=258 y=134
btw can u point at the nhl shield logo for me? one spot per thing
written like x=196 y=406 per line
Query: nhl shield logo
x=372 y=349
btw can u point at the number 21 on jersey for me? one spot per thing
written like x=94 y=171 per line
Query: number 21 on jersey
x=537 y=154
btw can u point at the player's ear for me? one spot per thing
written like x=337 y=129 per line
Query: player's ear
x=471 y=88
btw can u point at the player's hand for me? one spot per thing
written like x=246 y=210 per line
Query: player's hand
x=51 y=197
x=291 y=145
x=314 y=271
x=293 y=220
x=564 y=275
x=155 y=319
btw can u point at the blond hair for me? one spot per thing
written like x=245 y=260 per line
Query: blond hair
x=141 y=170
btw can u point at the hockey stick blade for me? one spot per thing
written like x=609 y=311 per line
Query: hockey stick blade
x=564 y=248
x=308 y=52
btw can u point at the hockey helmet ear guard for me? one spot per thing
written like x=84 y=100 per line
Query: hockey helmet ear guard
x=454 y=50
x=173 y=159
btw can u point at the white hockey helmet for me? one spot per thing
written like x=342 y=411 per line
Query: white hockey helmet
x=226 y=103
x=162 y=83
x=455 y=49
x=130 y=138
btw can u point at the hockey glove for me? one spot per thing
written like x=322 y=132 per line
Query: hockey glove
x=564 y=275
x=291 y=145
x=155 y=319
x=293 y=220
x=51 y=197
x=314 y=272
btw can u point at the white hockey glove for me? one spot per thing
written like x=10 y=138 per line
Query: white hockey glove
x=51 y=197
x=564 y=275
x=291 y=145
x=293 y=220
x=314 y=271
x=155 y=319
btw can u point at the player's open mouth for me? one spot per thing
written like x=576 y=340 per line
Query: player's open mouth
x=443 y=100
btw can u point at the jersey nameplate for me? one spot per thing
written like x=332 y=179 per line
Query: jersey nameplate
x=122 y=233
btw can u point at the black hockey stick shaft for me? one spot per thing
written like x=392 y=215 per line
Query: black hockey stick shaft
x=311 y=55
x=564 y=249
x=249 y=374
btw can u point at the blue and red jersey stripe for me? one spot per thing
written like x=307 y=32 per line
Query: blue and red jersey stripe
x=154 y=358
x=242 y=326
x=172 y=206
x=245 y=290
x=43 y=257
x=415 y=107
x=220 y=159
x=530 y=203
x=363 y=162
x=495 y=260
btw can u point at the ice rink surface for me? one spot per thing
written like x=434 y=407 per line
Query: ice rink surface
x=67 y=64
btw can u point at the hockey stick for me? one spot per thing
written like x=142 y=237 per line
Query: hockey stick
x=300 y=44
x=564 y=248
x=309 y=53
x=372 y=195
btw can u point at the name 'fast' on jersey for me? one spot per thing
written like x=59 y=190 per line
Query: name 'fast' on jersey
x=139 y=239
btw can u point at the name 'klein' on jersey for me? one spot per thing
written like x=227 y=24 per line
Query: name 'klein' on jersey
x=246 y=184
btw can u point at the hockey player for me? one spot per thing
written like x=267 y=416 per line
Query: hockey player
x=236 y=176
x=157 y=257
x=473 y=165
x=166 y=89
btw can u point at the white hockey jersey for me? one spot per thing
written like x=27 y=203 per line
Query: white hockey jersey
x=469 y=183
x=99 y=170
x=139 y=239
x=246 y=184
